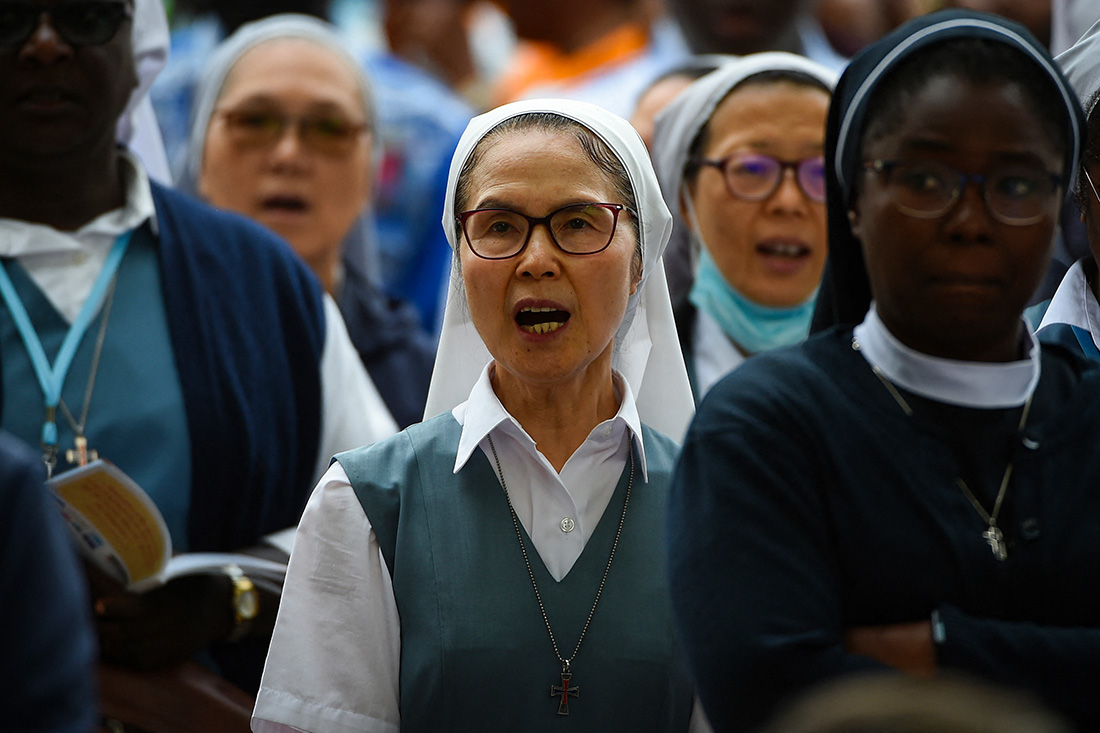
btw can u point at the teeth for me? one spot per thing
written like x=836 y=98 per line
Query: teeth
x=538 y=310
x=543 y=328
x=785 y=250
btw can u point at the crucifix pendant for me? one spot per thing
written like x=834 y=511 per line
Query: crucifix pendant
x=81 y=453
x=564 y=691
x=996 y=540
x=49 y=457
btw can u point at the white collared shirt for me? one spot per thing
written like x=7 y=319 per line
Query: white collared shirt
x=714 y=352
x=559 y=511
x=64 y=265
x=1074 y=303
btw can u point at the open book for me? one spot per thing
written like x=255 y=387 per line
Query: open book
x=119 y=528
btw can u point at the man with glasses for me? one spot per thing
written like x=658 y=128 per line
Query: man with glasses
x=189 y=347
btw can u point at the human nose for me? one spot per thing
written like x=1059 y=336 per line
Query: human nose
x=969 y=218
x=788 y=194
x=45 y=44
x=289 y=144
x=541 y=256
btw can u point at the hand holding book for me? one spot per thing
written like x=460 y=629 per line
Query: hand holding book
x=119 y=529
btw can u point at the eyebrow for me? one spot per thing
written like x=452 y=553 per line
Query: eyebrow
x=265 y=101
x=769 y=145
x=492 y=203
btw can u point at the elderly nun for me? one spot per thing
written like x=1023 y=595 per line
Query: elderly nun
x=513 y=538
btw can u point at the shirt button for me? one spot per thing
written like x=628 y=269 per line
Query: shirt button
x=567 y=524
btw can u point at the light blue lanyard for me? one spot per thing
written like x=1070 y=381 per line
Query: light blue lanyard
x=52 y=379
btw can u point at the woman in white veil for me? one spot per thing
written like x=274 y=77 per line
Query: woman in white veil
x=469 y=550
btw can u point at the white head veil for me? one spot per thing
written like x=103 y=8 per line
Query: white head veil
x=679 y=123
x=1081 y=65
x=137 y=127
x=647 y=351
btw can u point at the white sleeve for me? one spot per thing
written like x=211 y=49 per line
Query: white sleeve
x=334 y=660
x=698 y=722
x=352 y=411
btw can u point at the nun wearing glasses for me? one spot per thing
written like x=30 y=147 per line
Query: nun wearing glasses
x=739 y=157
x=498 y=567
x=912 y=489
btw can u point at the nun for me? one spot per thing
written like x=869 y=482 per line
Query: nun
x=722 y=151
x=294 y=73
x=498 y=566
x=911 y=490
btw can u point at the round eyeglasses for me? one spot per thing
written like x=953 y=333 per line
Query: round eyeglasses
x=1014 y=195
x=755 y=177
x=330 y=134
x=577 y=229
x=83 y=23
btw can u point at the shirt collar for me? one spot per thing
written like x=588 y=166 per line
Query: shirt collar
x=1073 y=302
x=20 y=238
x=483 y=413
x=965 y=383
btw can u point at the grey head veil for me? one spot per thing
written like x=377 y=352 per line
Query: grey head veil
x=647 y=351
x=247 y=37
x=358 y=249
x=845 y=290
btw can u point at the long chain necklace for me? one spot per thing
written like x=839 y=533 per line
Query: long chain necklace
x=566 y=690
x=993 y=534
x=80 y=454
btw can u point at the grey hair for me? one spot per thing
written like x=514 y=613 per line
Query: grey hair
x=598 y=151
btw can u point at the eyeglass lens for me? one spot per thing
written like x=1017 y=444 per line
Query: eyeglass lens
x=85 y=23
x=755 y=177
x=326 y=133
x=577 y=229
x=1014 y=195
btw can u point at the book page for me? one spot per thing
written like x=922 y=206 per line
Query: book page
x=115 y=523
x=209 y=562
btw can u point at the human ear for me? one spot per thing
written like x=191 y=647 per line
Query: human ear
x=636 y=268
x=854 y=219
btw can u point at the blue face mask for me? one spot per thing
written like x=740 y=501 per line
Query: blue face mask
x=751 y=326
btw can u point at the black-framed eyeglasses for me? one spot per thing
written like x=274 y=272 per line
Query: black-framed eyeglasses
x=577 y=229
x=755 y=177
x=1016 y=195
x=331 y=134
x=81 y=23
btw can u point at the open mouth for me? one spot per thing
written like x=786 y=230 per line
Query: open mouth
x=292 y=204
x=541 y=321
x=45 y=98
x=783 y=249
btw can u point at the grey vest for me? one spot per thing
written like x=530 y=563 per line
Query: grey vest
x=475 y=653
